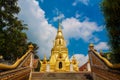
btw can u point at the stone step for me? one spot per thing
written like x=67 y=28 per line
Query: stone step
x=62 y=76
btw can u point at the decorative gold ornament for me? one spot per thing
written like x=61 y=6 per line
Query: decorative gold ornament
x=59 y=60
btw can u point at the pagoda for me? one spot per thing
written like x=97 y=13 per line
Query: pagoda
x=59 y=60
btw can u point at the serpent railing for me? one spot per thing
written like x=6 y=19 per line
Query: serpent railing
x=101 y=68
x=20 y=70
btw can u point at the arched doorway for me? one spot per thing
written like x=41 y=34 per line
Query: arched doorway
x=60 y=65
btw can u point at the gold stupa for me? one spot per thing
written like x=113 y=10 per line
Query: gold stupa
x=59 y=60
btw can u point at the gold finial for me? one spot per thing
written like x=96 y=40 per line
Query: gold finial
x=91 y=46
x=31 y=47
x=59 y=27
x=45 y=57
x=59 y=32
x=74 y=58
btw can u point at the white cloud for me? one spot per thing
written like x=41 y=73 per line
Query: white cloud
x=73 y=28
x=59 y=14
x=102 y=46
x=74 y=3
x=77 y=15
x=42 y=1
x=85 y=2
x=43 y=33
x=82 y=59
x=59 y=17
x=39 y=30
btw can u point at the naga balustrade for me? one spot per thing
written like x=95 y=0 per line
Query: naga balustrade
x=19 y=74
x=101 y=68
x=20 y=70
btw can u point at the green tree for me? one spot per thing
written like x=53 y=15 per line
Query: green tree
x=108 y=56
x=111 y=11
x=13 y=40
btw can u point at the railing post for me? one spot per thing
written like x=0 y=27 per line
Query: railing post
x=31 y=62
x=91 y=46
x=31 y=47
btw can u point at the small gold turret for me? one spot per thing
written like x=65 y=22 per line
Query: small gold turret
x=75 y=64
x=74 y=60
x=44 y=64
x=45 y=60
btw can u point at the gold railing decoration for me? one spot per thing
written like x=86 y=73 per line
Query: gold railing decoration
x=8 y=67
x=109 y=64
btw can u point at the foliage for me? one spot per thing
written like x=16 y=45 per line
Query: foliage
x=38 y=67
x=12 y=38
x=108 y=55
x=111 y=11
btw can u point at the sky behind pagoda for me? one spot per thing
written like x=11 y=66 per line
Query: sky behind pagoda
x=82 y=23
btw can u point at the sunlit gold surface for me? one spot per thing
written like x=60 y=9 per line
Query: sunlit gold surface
x=5 y=66
x=43 y=64
x=75 y=64
x=59 y=60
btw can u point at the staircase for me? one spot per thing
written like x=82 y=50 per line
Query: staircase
x=62 y=76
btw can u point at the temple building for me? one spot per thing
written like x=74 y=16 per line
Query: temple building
x=59 y=60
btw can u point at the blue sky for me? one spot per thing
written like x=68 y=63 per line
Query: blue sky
x=82 y=23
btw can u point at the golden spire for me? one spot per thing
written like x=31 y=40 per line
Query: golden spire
x=59 y=41
x=59 y=27
x=74 y=58
x=59 y=32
